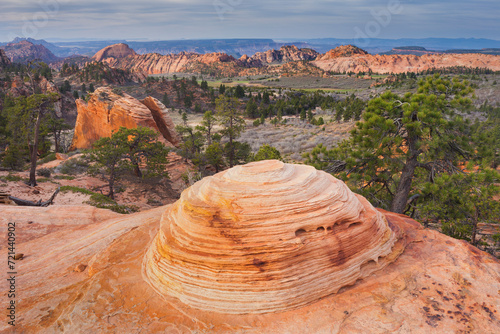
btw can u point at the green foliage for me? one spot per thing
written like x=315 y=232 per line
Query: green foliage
x=48 y=158
x=100 y=201
x=74 y=166
x=239 y=92
x=124 y=151
x=64 y=177
x=215 y=155
x=251 y=109
x=204 y=85
x=241 y=152
x=399 y=135
x=45 y=172
x=267 y=152
x=460 y=201
x=26 y=123
x=165 y=100
x=222 y=89
x=76 y=190
x=66 y=87
x=265 y=98
x=12 y=178
x=231 y=122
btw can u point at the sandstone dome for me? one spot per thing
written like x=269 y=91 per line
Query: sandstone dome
x=266 y=237
x=115 y=51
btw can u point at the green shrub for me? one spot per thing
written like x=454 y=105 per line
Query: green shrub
x=101 y=201
x=64 y=177
x=74 y=166
x=45 y=172
x=11 y=177
x=48 y=158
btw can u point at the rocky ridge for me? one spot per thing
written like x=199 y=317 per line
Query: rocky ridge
x=25 y=51
x=107 y=111
x=341 y=59
x=405 y=63
x=285 y=54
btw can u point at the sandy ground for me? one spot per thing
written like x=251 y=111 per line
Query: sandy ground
x=144 y=194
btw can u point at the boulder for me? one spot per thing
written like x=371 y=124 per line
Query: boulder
x=106 y=112
x=267 y=237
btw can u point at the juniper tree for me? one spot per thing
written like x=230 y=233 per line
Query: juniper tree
x=123 y=151
x=232 y=123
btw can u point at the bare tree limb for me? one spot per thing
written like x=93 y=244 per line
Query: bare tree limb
x=23 y=202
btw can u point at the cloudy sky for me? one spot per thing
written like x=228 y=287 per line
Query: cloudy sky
x=200 y=19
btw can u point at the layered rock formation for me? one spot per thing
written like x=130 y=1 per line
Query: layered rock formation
x=107 y=111
x=285 y=54
x=339 y=61
x=266 y=237
x=114 y=52
x=25 y=51
x=83 y=269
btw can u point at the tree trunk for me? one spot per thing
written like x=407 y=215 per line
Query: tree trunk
x=475 y=220
x=400 y=199
x=56 y=140
x=112 y=184
x=231 y=147
x=34 y=152
x=137 y=170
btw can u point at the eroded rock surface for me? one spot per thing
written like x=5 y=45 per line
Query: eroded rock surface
x=436 y=285
x=345 y=58
x=266 y=237
x=107 y=111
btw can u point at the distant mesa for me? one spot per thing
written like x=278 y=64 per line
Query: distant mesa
x=107 y=111
x=115 y=51
x=267 y=237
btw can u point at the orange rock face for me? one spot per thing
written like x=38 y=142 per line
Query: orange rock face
x=106 y=112
x=266 y=237
x=84 y=269
x=345 y=58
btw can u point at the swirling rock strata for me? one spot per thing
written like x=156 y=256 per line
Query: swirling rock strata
x=266 y=237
